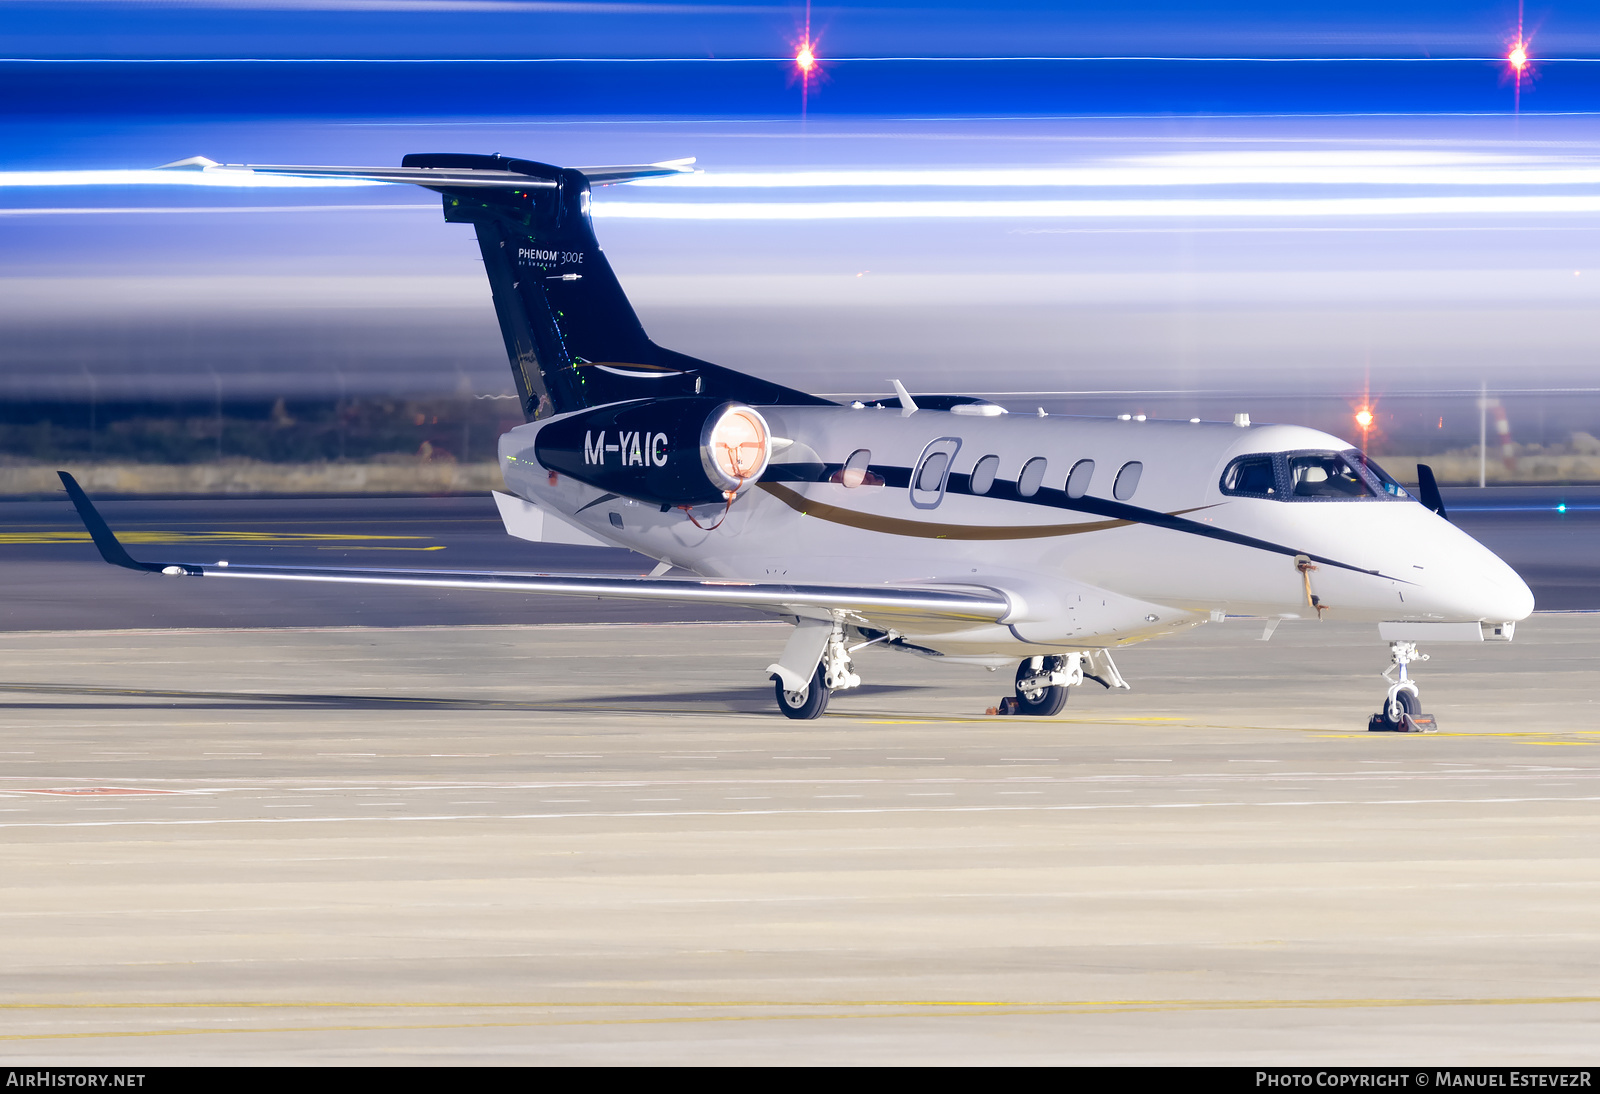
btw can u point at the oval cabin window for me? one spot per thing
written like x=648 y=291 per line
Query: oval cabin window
x=932 y=473
x=1078 y=478
x=1127 y=480
x=1032 y=477
x=854 y=472
x=982 y=477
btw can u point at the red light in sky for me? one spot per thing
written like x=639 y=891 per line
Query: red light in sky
x=1517 y=58
x=1364 y=419
x=805 y=60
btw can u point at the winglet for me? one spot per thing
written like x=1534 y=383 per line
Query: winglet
x=110 y=549
x=193 y=163
x=908 y=405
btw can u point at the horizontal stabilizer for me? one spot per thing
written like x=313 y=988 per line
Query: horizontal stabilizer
x=524 y=520
x=452 y=177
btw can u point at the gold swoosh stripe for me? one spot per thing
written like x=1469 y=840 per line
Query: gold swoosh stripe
x=896 y=526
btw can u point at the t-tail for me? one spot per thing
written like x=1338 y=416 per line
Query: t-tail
x=572 y=338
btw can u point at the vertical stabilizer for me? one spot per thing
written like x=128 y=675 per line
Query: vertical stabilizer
x=572 y=338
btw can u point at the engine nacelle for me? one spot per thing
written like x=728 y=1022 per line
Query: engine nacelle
x=686 y=451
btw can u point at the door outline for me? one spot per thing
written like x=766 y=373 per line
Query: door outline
x=930 y=499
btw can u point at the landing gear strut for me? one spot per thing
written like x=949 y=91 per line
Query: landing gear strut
x=1402 y=709
x=820 y=643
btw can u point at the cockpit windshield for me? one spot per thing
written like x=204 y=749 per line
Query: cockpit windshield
x=1310 y=476
x=1325 y=475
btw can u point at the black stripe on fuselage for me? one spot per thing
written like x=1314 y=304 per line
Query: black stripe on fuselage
x=1051 y=498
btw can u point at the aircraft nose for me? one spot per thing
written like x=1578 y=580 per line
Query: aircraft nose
x=1481 y=586
x=1502 y=594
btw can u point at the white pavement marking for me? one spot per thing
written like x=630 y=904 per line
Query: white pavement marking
x=800 y=812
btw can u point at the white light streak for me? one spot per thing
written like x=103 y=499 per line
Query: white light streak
x=1178 y=171
x=153 y=177
x=167 y=210
x=1101 y=209
x=1375 y=168
x=1523 y=186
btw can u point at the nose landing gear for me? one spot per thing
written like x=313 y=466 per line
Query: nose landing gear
x=1042 y=682
x=1402 y=709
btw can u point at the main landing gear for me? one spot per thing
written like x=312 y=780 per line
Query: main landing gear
x=1042 y=682
x=802 y=698
x=1402 y=709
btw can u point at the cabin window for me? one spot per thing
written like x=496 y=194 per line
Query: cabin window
x=1078 y=478
x=855 y=471
x=933 y=470
x=1127 y=480
x=1032 y=477
x=983 y=472
x=1325 y=475
x=1251 y=477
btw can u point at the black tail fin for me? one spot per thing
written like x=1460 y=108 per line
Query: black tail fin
x=572 y=337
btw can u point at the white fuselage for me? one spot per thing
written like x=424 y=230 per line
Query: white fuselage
x=1082 y=573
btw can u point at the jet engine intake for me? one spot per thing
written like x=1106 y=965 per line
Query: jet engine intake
x=682 y=451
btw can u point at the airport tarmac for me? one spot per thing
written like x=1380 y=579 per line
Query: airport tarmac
x=599 y=844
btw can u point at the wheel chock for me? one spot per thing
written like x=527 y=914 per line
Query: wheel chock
x=1008 y=705
x=1409 y=723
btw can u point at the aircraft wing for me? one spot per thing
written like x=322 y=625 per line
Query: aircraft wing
x=888 y=604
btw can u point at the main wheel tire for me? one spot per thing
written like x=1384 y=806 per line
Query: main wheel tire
x=1042 y=702
x=1404 y=703
x=803 y=704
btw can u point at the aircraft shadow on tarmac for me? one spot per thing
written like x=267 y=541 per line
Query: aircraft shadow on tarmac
x=85 y=697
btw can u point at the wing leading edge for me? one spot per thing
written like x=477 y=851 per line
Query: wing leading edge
x=951 y=603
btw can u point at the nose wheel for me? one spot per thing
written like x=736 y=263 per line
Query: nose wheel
x=1402 y=708
x=1042 y=684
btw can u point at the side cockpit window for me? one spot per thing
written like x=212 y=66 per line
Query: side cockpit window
x=1251 y=477
x=1382 y=479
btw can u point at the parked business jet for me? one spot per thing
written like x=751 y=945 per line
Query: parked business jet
x=941 y=526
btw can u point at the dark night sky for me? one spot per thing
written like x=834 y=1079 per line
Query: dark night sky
x=905 y=58
x=143 y=288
